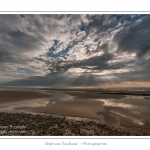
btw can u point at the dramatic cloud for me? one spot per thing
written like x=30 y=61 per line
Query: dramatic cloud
x=74 y=50
x=134 y=38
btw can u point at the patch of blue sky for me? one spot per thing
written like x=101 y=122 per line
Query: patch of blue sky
x=63 y=53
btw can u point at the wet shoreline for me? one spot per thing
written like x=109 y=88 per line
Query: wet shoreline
x=120 y=111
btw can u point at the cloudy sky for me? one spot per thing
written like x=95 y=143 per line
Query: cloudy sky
x=75 y=50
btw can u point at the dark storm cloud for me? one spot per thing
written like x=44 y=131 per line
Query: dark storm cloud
x=23 y=41
x=4 y=56
x=100 y=63
x=102 y=22
x=99 y=23
x=15 y=41
x=98 y=48
x=135 y=38
x=14 y=35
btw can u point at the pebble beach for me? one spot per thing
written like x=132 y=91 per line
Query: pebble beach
x=21 y=124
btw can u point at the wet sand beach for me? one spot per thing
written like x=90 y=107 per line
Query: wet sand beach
x=12 y=96
x=105 y=108
x=74 y=108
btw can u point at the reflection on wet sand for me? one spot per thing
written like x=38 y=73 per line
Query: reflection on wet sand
x=120 y=110
x=132 y=111
x=14 y=99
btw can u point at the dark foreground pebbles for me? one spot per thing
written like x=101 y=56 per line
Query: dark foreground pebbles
x=48 y=125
